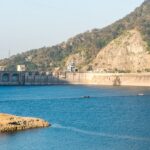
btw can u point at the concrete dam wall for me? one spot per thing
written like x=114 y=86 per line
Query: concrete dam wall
x=116 y=79
x=28 y=78
x=35 y=78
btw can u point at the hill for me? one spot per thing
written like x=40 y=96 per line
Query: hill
x=85 y=47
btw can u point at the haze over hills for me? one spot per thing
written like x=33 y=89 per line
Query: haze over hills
x=93 y=49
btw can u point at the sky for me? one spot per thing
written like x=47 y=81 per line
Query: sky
x=30 y=24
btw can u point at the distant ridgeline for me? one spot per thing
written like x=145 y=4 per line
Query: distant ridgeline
x=123 y=47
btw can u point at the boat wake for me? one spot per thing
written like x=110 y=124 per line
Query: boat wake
x=125 y=137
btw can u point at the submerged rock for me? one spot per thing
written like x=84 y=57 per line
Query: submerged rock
x=11 y=123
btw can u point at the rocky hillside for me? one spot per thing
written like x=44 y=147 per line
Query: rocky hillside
x=85 y=47
x=127 y=53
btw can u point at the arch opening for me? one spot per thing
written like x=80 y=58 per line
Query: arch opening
x=5 y=77
x=15 y=77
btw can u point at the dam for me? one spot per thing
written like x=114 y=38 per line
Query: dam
x=28 y=78
x=37 y=78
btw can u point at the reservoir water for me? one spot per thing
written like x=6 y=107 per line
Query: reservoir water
x=113 y=118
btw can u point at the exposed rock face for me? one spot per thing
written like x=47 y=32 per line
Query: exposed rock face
x=10 y=123
x=126 y=53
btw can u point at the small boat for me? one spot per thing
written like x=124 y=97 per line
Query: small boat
x=86 y=97
x=140 y=94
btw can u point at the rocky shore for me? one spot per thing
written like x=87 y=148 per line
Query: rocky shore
x=11 y=123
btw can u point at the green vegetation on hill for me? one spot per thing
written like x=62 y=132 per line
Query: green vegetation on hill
x=87 y=44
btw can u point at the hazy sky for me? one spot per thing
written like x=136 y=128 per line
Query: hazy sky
x=28 y=24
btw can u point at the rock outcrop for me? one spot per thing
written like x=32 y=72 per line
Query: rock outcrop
x=11 y=123
x=127 y=53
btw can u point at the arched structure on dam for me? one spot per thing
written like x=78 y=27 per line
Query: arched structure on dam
x=15 y=77
x=10 y=77
x=5 y=77
x=28 y=78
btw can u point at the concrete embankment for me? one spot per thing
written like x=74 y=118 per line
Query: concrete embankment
x=120 y=79
x=11 y=123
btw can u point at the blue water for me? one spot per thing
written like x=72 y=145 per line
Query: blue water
x=115 y=118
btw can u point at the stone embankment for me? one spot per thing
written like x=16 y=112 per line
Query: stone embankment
x=11 y=123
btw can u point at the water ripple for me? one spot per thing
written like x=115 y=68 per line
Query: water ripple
x=125 y=137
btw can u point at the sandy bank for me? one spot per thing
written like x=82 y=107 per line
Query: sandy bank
x=11 y=123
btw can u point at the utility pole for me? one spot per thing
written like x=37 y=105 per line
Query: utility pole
x=9 y=54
